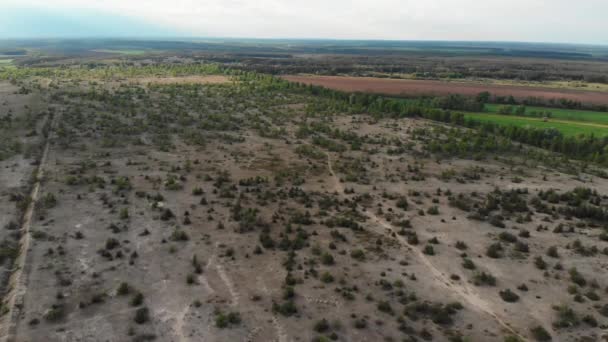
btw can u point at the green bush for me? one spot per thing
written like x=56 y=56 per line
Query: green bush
x=508 y=296
x=540 y=334
x=123 y=289
x=142 y=315
x=321 y=326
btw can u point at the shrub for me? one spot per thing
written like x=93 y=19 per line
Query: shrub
x=56 y=313
x=112 y=243
x=137 y=299
x=224 y=320
x=49 y=201
x=494 y=250
x=496 y=221
x=357 y=254
x=509 y=296
x=577 y=278
x=461 y=245
x=123 y=289
x=360 y=323
x=402 y=203
x=604 y=310
x=287 y=309
x=179 y=235
x=552 y=252
x=289 y=292
x=507 y=237
x=468 y=264
x=327 y=259
x=522 y=247
x=385 y=306
x=429 y=250
x=483 y=278
x=142 y=315
x=327 y=277
x=167 y=214
x=566 y=317
x=321 y=325
x=124 y=213
x=590 y=321
x=540 y=334
x=540 y=263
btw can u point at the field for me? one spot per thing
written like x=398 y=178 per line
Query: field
x=568 y=128
x=412 y=88
x=561 y=114
x=166 y=198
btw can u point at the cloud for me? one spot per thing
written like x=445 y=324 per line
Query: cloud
x=517 y=20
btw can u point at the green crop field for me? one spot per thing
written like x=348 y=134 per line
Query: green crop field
x=6 y=61
x=561 y=114
x=567 y=128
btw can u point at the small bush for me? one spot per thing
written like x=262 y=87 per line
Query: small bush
x=321 y=326
x=123 y=289
x=142 y=315
x=540 y=334
x=357 y=254
x=137 y=299
x=483 y=278
x=327 y=277
x=494 y=250
x=509 y=296
x=468 y=264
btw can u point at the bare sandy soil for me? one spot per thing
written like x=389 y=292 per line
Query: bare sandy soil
x=187 y=226
x=441 y=88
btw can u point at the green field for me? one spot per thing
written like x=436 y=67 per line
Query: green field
x=567 y=128
x=562 y=114
x=6 y=61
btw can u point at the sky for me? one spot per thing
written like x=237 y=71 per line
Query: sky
x=582 y=21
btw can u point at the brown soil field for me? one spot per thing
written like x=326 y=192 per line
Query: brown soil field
x=439 y=88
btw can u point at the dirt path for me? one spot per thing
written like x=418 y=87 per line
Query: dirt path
x=463 y=291
x=18 y=279
x=581 y=123
x=278 y=327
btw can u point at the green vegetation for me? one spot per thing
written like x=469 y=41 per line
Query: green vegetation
x=555 y=113
x=570 y=129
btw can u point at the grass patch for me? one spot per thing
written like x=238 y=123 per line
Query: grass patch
x=567 y=128
x=560 y=113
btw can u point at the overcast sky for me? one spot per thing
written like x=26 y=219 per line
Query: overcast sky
x=582 y=21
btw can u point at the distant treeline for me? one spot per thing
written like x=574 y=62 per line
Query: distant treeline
x=475 y=104
x=442 y=109
x=524 y=66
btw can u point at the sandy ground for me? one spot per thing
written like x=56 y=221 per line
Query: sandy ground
x=66 y=263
